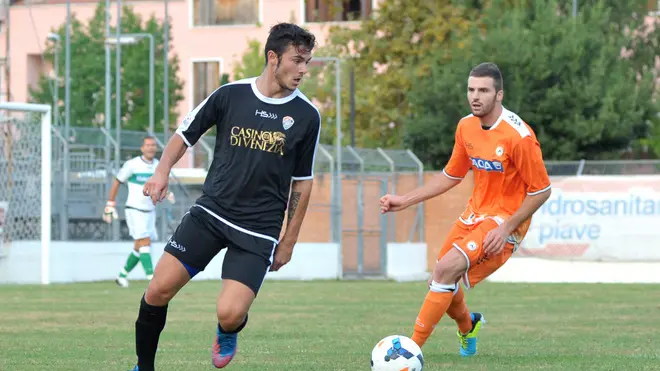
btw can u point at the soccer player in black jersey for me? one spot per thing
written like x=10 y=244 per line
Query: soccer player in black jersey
x=267 y=134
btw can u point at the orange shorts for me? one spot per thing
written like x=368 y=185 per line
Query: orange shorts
x=468 y=239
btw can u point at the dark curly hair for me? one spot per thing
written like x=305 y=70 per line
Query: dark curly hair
x=284 y=34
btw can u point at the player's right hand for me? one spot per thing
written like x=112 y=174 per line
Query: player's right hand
x=392 y=203
x=110 y=212
x=156 y=186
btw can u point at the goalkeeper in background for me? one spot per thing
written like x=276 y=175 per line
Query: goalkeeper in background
x=139 y=210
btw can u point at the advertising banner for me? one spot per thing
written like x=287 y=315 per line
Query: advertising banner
x=598 y=218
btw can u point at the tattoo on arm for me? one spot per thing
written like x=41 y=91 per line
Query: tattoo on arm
x=293 y=205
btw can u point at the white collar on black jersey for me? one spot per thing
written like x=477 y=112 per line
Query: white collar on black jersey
x=266 y=99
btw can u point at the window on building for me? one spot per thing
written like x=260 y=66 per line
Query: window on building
x=336 y=10
x=654 y=7
x=225 y=12
x=206 y=78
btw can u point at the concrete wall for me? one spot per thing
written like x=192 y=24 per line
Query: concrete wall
x=439 y=215
x=100 y=261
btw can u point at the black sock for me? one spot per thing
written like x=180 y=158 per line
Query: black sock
x=236 y=331
x=148 y=327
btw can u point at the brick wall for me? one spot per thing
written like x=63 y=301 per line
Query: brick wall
x=439 y=214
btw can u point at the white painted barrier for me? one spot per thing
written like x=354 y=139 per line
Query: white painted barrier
x=99 y=261
x=406 y=262
x=538 y=270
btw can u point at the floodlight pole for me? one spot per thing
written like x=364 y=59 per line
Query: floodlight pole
x=132 y=38
x=151 y=83
x=118 y=89
x=108 y=108
x=64 y=220
x=67 y=74
x=115 y=226
x=56 y=93
x=55 y=39
x=338 y=140
x=67 y=121
x=166 y=76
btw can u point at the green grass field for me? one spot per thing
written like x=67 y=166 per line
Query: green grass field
x=333 y=326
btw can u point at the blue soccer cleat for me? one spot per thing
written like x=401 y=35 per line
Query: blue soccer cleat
x=224 y=349
x=135 y=369
x=469 y=341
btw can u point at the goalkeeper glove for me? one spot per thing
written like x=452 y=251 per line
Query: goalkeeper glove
x=170 y=198
x=110 y=213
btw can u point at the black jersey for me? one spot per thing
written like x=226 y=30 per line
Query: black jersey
x=262 y=144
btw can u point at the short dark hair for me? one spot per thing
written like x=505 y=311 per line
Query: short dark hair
x=284 y=34
x=491 y=70
x=148 y=137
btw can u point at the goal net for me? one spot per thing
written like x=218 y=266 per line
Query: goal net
x=25 y=192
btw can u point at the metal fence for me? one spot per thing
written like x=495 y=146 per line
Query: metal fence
x=354 y=190
x=91 y=164
x=20 y=176
x=344 y=207
x=603 y=167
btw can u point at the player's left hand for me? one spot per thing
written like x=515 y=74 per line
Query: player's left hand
x=283 y=253
x=496 y=240
x=392 y=203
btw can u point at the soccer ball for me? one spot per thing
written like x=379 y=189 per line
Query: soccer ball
x=397 y=353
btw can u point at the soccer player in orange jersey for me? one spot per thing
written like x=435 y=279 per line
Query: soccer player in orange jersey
x=510 y=184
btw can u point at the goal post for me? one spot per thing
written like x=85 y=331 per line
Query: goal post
x=26 y=148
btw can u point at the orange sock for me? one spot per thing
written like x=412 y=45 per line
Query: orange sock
x=459 y=312
x=435 y=305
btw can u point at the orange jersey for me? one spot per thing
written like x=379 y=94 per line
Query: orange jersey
x=507 y=164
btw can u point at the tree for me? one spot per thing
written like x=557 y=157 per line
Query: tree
x=252 y=63
x=88 y=73
x=565 y=76
x=386 y=51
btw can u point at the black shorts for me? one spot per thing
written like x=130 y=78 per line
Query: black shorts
x=201 y=236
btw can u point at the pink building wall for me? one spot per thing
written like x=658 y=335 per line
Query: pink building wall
x=28 y=38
